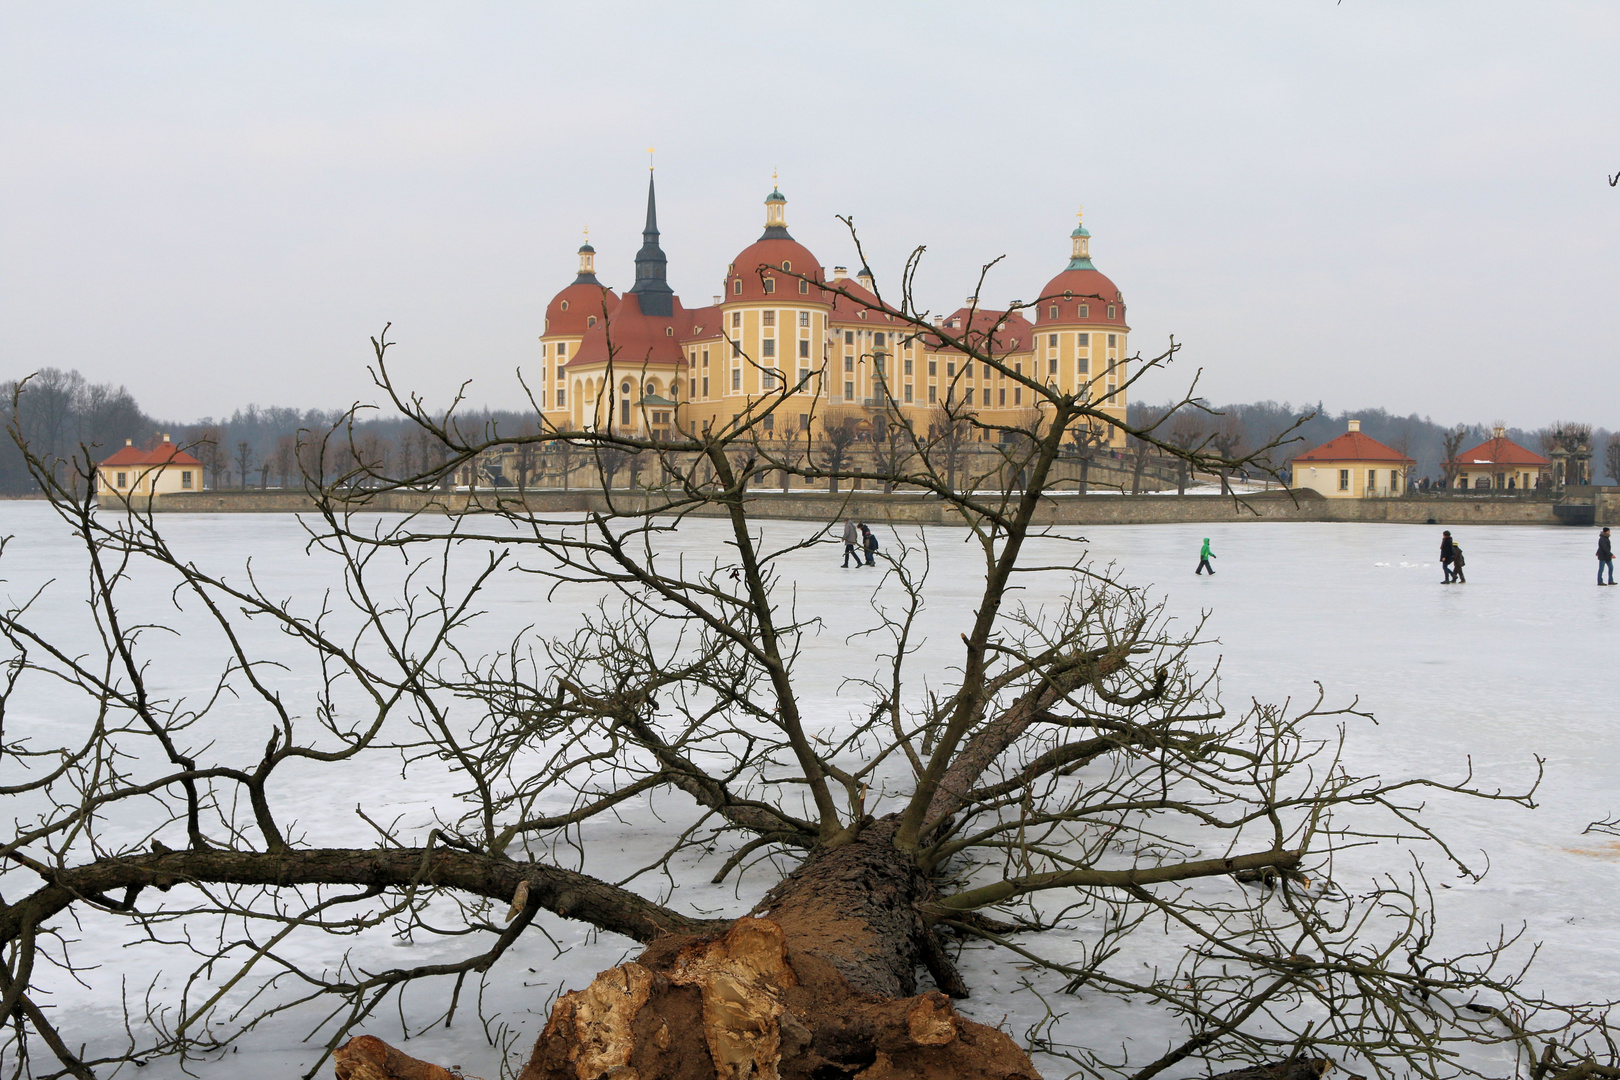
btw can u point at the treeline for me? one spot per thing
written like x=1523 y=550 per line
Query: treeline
x=1245 y=427
x=60 y=415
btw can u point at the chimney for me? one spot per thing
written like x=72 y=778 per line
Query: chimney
x=840 y=273
x=165 y=436
x=972 y=300
x=717 y=300
x=1355 y=425
x=938 y=319
x=129 y=442
x=1499 y=431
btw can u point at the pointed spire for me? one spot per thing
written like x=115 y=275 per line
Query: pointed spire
x=651 y=288
x=1080 y=256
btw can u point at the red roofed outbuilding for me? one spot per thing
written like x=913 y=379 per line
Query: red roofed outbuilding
x=132 y=472
x=1353 y=466
x=1499 y=463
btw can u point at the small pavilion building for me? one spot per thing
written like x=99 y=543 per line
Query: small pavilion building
x=1500 y=464
x=136 y=473
x=1353 y=466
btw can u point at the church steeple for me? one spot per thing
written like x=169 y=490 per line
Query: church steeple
x=1080 y=258
x=651 y=288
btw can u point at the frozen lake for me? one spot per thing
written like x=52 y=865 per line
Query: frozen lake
x=1489 y=674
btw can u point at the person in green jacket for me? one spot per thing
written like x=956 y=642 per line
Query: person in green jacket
x=1203 y=560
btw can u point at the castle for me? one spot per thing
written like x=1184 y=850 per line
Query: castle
x=822 y=348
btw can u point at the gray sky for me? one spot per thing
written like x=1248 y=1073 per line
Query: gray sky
x=1372 y=204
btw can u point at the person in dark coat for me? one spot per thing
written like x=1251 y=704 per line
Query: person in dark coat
x=1457 y=563
x=869 y=544
x=1605 y=556
x=1446 y=548
x=849 y=543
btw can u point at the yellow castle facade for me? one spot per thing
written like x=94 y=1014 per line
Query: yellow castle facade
x=815 y=350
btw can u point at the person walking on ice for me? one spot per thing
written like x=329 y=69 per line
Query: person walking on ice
x=1605 y=556
x=1446 y=548
x=849 y=543
x=869 y=544
x=1203 y=560
x=1457 y=563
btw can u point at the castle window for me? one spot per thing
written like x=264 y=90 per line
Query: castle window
x=736 y=287
x=767 y=380
x=1051 y=366
x=123 y=480
x=1051 y=341
x=705 y=386
x=849 y=391
x=694 y=388
x=933 y=394
x=877 y=339
x=736 y=320
x=950 y=369
x=849 y=337
x=967 y=399
x=705 y=357
x=736 y=378
x=562 y=349
x=1068 y=294
x=804 y=318
x=1113 y=340
x=908 y=365
x=1082 y=365
x=185 y=479
x=590 y=321
x=849 y=363
x=1083 y=340
x=1003 y=398
x=1085 y=311
x=787 y=266
x=1110 y=311
x=1018 y=395
x=652 y=388
x=562 y=397
x=1051 y=312
x=770 y=286
x=767 y=318
x=669 y=331
x=933 y=368
x=804 y=347
x=565 y=305
x=804 y=287
x=767 y=347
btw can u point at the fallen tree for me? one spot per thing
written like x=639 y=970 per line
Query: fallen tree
x=1073 y=769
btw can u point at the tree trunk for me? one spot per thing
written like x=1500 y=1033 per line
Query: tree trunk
x=818 y=982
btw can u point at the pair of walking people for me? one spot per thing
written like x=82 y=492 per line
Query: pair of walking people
x=1451 y=559
x=858 y=540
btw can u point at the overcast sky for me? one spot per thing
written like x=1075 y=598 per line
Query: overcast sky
x=1371 y=204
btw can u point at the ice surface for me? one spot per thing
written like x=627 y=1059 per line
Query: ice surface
x=1488 y=674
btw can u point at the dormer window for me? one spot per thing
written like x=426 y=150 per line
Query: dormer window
x=591 y=321
x=1068 y=294
x=860 y=314
x=787 y=266
x=736 y=287
x=1085 y=311
x=1051 y=312
x=770 y=286
x=565 y=305
x=1110 y=311
x=804 y=287
x=669 y=331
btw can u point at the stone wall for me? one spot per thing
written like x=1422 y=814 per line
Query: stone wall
x=1601 y=505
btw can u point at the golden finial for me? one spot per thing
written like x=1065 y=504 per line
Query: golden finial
x=649 y=159
x=1080 y=216
x=773 y=178
x=587 y=234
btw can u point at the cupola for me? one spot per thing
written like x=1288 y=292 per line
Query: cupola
x=776 y=216
x=587 y=263
x=1080 y=257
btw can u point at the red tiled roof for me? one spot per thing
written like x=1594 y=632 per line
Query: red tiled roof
x=854 y=304
x=1089 y=287
x=161 y=453
x=637 y=339
x=1500 y=452
x=1009 y=333
x=1354 y=446
x=571 y=309
x=754 y=263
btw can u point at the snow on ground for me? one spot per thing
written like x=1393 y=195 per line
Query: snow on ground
x=1487 y=674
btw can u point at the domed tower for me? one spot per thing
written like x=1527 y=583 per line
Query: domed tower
x=1081 y=332
x=580 y=307
x=773 y=319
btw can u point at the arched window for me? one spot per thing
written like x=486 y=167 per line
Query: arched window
x=652 y=388
x=669 y=331
x=1052 y=312
x=1110 y=311
x=736 y=287
x=787 y=266
x=804 y=287
x=770 y=285
x=624 y=404
x=590 y=321
x=565 y=305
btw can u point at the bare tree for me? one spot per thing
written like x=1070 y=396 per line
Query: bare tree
x=244 y=462
x=1611 y=459
x=1227 y=438
x=1187 y=433
x=1452 y=441
x=206 y=442
x=1070 y=767
x=840 y=428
